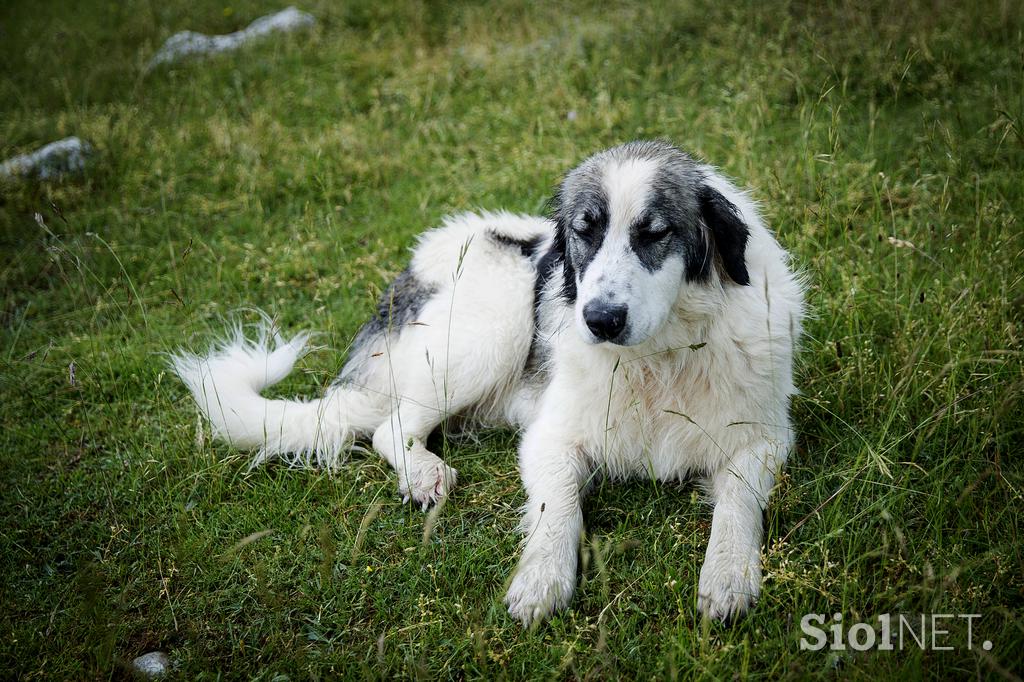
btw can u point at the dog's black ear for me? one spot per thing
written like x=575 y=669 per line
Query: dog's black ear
x=728 y=231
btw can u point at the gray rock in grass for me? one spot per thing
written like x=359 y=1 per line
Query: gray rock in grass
x=154 y=664
x=192 y=44
x=63 y=157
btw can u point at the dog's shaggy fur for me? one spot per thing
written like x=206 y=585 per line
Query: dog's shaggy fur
x=647 y=328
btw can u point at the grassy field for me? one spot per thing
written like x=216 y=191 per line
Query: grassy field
x=886 y=143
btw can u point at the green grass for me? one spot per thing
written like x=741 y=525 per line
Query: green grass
x=294 y=175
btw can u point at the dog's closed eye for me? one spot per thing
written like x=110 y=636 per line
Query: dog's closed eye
x=648 y=231
x=587 y=225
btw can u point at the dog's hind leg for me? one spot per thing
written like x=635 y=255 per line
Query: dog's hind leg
x=433 y=376
x=400 y=440
x=451 y=337
x=424 y=393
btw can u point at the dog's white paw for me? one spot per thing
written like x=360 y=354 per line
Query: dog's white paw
x=538 y=589
x=425 y=478
x=730 y=583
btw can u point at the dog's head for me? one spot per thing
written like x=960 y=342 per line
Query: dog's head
x=635 y=224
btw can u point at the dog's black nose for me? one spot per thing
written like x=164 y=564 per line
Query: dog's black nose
x=605 y=321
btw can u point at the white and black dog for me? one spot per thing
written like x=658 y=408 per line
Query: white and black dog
x=646 y=329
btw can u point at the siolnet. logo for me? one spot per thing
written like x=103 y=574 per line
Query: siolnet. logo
x=893 y=632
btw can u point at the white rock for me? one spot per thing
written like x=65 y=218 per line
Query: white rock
x=53 y=160
x=153 y=664
x=190 y=43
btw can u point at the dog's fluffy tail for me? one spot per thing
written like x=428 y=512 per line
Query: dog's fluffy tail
x=226 y=384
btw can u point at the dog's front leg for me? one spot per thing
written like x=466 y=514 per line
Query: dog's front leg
x=553 y=469
x=730 y=580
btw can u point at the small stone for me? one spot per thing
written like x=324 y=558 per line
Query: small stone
x=190 y=43
x=571 y=116
x=58 y=158
x=153 y=664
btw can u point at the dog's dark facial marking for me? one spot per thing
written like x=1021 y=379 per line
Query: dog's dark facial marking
x=728 y=231
x=587 y=229
x=674 y=207
x=580 y=212
x=527 y=247
x=653 y=239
